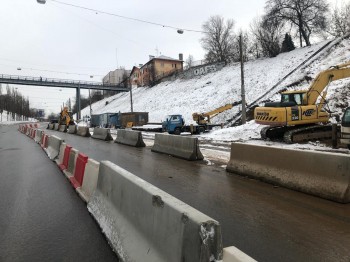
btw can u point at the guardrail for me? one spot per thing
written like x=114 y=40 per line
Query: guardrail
x=43 y=81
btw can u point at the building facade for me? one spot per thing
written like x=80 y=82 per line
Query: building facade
x=159 y=67
x=116 y=77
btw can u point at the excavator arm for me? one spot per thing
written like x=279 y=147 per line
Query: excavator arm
x=204 y=118
x=323 y=79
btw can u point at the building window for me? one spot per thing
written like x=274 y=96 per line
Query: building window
x=175 y=65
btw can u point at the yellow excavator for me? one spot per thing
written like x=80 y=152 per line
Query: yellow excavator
x=204 y=118
x=66 y=117
x=301 y=115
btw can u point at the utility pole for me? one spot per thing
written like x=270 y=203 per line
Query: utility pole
x=132 y=109
x=242 y=80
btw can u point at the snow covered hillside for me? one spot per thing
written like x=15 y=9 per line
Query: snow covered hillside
x=207 y=92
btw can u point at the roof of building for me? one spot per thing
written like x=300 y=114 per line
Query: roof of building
x=162 y=57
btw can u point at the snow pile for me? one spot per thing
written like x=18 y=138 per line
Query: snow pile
x=208 y=92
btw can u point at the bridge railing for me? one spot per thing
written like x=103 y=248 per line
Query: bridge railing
x=53 y=80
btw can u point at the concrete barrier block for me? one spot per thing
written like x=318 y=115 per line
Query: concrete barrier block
x=73 y=154
x=38 y=135
x=326 y=175
x=83 y=131
x=79 y=171
x=51 y=126
x=102 y=134
x=130 y=138
x=144 y=223
x=56 y=126
x=45 y=140
x=90 y=180
x=72 y=129
x=59 y=160
x=64 y=164
x=53 y=147
x=233 y=254
x=33 y=134
x=178 y=146
x=62 y=128
x=28 y=131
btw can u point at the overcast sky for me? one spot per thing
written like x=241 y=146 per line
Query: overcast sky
x=55 y=40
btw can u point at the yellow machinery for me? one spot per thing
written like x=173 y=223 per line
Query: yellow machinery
x=204 y=118
x=66 y=117
x=295 y=118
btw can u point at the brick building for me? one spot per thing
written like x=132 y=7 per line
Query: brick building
x=157 y=68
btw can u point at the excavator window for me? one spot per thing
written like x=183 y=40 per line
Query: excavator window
x=293 y=99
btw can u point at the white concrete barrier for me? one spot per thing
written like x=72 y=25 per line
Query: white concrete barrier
x=144 y=223
x=51 y=126
x=233 y=254
x=90 y=180
x=59 y=160
x=62 y=128
x=53 y=147
x=178 y=146
x=56 y=126
x=72 y=129
x=130 y=138
x=325 y=175
x=83 y=131
x=38 y=135
x=102 y=134
x=69 y=172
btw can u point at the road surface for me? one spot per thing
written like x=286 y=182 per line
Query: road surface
x=266 y=222
x=41 y=217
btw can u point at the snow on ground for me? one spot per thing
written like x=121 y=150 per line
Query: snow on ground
x=9 y=120
x=207 y=92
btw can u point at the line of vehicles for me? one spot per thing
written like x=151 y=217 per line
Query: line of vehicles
x=298 y=117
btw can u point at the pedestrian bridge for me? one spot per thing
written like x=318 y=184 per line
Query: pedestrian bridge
x=55 y=82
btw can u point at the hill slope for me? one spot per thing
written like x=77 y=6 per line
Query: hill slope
x=205 y=93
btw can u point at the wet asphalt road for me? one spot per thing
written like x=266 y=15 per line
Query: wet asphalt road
x=268 y=223
x=41 y=216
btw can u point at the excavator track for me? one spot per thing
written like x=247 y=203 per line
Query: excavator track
x=273 y=133
x=307 y=133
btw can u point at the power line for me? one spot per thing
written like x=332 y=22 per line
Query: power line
x=128 y=18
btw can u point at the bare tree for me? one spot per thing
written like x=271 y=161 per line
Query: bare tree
x=307 y=16
x=189 y=61
x=340 y=21
x=268 y=35
x=218 y=39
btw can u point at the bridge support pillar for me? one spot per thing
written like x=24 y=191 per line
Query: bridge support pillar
x=78 y=102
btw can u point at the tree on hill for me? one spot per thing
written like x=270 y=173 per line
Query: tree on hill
x=267 y=34
x=287 y=44
x=307 y=16
x=340 y=21
x=218 y=39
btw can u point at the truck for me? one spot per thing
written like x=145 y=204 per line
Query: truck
x=345 y=128
x=175 y=124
